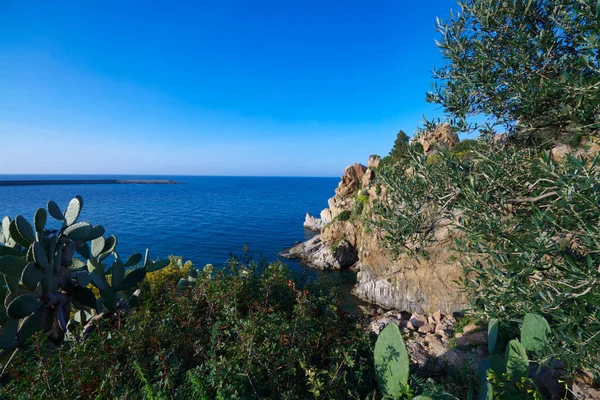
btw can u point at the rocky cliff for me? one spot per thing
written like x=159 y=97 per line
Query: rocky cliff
x=348 y=240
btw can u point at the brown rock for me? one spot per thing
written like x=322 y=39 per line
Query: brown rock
x=472 y=339
x=368 y=177
x=427 y=328
x=441 y=136
x=373 y=162
x=437 y=317
x=418 y=320
x=470 y=329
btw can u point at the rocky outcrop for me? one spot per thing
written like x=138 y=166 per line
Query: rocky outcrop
x=313 y=223
x=317 y=254
x=398 y=282
x=345 y=192
x=441 y=136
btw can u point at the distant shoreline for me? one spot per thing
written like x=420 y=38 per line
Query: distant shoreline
x=38 y=182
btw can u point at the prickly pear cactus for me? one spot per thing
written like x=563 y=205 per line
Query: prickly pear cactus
x=534 y=332
x=517 y=363
x=391 y=361
x=43 y=277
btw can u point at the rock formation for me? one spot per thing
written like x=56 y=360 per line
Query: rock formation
x=313 y=223
x=441 y=136
x=402 y=282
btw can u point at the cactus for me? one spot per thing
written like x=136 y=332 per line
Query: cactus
x=534 y=332
x=492 y=334
x=515 y=363
x=391 y=361
x=44 y=278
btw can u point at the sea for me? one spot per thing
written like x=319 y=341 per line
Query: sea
x=205 y=219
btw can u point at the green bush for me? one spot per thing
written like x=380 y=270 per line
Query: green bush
x=244 y=332
x=344 y=215
x=535 y=62
x=529 y=229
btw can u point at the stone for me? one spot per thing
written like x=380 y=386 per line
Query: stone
x=470 y=329
x=441 y=136
x=317 y=254
x=313 y=223
x=471 y=339
x=427 y=328
x=418 y=320
x=368 y=177
x=437 y=317
x=373 y=162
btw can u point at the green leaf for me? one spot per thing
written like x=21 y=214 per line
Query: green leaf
x=517 y=363
x=12 y=265
x=134 y=259
x=85 y=297
x=73 y=211
x=40 y=218
x=12 y=283
x=132 y=279
x=9 y=251
x=31 y=275
x=78 y=263
x=54 y=210
x=492 y=334
x=6 y=228
x=32 y=324
x=16 y=236
x=25 y=229
x=118 y=273
x=534 y=332
x=97 y=246
x=157 y=265
x=83 y=279
x=497 y=364
x=84 y=251
x=78 y=231
x=23 y=306
x=9 y=334
x=110 y=298
x=486 y=392
x=97 y=231
x=109 y=245
x=40 y=257
x=391 y=361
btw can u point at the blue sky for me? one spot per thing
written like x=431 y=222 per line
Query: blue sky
x=292 y=88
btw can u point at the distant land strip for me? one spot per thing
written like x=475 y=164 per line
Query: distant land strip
x=88 y=182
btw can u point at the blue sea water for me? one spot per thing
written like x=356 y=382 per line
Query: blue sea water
x=204 y=219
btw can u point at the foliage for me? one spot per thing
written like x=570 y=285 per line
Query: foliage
x=401 y=145
x=44 y=280
x=527 y=228
x=391 y=362
x=530 y=66
x=247 y=331
x=344 y=215
x=170 y=275
x=508 y=377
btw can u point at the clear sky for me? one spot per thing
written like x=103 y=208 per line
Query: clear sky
x=293 y=88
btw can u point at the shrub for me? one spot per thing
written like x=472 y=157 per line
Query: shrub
x=528 y=233
x=243 y=332
x=529 y=61
x=344 y=216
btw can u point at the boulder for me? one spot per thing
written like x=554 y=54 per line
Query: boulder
x=313 y=223
x=373 y=162
x=441 y=136
x=318 y=254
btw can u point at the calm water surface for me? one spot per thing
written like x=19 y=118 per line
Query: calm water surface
x=204 y=219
